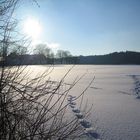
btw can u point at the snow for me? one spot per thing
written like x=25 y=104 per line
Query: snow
x=113 y=93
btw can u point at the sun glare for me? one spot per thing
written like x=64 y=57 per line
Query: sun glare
x=32 y=28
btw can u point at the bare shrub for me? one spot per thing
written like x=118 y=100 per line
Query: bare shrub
x=30 y=108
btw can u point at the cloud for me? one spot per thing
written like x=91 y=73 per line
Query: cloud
x=53 y=45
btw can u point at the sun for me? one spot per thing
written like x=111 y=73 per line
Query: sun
x=32 y=28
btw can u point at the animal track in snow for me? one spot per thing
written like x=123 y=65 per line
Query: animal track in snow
x=88 y=129
x=136 y=79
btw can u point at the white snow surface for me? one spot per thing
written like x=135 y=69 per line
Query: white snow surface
x=116 y=108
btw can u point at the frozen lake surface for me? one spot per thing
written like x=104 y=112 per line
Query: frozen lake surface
x=116 y=108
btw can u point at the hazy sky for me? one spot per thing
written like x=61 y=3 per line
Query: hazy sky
x=86 y=27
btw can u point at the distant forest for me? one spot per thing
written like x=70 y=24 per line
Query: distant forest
x=127 y=57
x=115 y=58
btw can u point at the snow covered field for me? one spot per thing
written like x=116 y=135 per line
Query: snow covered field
x=116 y=108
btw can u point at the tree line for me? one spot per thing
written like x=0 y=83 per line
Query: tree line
x=115 y=58
x=41 y=54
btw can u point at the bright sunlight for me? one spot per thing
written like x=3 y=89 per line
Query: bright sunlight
x=32 y=28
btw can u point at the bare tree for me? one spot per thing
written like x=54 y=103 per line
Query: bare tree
x=18 y=50
x=66 y=54
x=62 y=55
x=31 y=108
x=42 y=49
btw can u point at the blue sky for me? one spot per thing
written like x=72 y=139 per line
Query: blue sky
x=86 y=27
